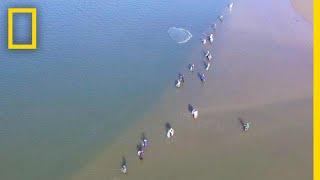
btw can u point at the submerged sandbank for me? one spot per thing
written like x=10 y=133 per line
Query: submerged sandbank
x=305 y=7
x=263 y=73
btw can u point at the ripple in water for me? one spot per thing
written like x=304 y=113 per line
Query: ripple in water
x=179 y=35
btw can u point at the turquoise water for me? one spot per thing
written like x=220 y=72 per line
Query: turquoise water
x=99 y=66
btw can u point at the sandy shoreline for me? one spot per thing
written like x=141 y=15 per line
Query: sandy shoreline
x=263 y=73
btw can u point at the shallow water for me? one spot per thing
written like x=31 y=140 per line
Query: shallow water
x=262 y=72
x=99 y=66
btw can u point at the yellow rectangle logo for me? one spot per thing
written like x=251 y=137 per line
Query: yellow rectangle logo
x=11 y=12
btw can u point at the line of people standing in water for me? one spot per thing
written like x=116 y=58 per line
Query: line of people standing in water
x=144 y=142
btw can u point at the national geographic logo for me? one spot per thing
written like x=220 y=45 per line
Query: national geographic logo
x=33 y=44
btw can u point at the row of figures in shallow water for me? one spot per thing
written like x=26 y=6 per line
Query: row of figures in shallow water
x=144 y=142
x=214 y=26
x=179 y=82
x=170 y=132
x=141 y=147
x=210 y=37
x=207 y=64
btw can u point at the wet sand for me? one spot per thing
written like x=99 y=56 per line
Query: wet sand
x=262 y=72
x=305 y=7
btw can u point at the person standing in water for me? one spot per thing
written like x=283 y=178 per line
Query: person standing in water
x=245 y=124
x=169 y=131
x=191 y=67
x=181 y=77
x=140 y=152
x=144 y=141
x=124 y=167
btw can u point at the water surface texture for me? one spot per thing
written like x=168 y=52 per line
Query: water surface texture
x=179 y=35
x=99 y=66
